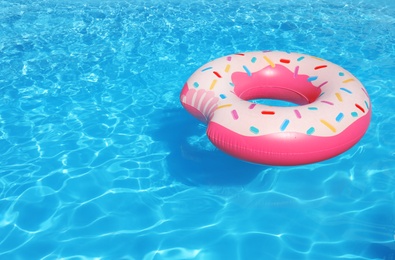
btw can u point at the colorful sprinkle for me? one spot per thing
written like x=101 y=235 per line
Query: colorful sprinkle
x=339 y=117
x=231 y=84
x=348 y=80
x=312 y=108
x=341 y=74
x=213 y=84
x=297 y=113
x=346 y=90
x=269 y=61
x=234 y=114
x=284 y=125
x=321 y=94
x=222 y=96
x=322 y=84
x=339 y=97
x=195 y=84
x=360 y=108
x=285 y=61
x=223 y=106
x=310 y=131
x=247 y=70
x=227 y=68
x=327 y=102
x=240 y=54
x=229 y=58
x=312 y=78
x=265 y=112
x=331 y=127
x=254 y=130
x=208 y=68
x=354 y=114
x=252 y=106
x=317 y=58
x=320 y=67
x=300 y=58
x=367 y=105
x=296 y=71
x=217 y=74
x=253 y=60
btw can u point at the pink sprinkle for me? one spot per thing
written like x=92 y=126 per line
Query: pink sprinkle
x=296 y=71
x=235 y=115
x=252 y=106
x=297 y=113
x=323 y=84
x=229 y=58
x=327 y=102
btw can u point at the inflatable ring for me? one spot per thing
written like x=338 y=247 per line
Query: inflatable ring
x=332 y=114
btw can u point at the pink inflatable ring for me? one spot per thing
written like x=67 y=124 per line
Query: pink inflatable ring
x=332 y=115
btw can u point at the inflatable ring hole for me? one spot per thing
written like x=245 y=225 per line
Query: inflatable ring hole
x=275 y=83
x=280 y=94
x=273 y=102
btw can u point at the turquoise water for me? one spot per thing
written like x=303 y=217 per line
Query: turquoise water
x=98 y=160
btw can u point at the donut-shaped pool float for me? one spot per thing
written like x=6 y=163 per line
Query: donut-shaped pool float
x=332 y=114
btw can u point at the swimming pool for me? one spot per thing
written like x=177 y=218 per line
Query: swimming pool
x=98 y=160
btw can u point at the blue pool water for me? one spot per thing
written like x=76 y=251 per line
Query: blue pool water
x=98 y=160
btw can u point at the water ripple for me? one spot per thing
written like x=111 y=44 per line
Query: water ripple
x=99 y=161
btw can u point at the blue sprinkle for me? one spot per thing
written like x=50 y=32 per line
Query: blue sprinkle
x=341 y=74
x=208 y=68
x=300 y=58
x=367 y=105
x=339 y=117
x=284 y=125
x=346 y=90
x=196 y=84
x=254 y=130
x=310 y=131
x=247 y=70
x=223 y=96
x=253 y=60
x=231 y=83
x=312 y=108
x=354 y=114
x=312 y=78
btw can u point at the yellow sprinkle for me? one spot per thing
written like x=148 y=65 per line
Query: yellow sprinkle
x=226 y=105
x=213 y=84
x=331 y=127
x=317 y=58
x=227 y=68
x=339 y=97
x=269 y=61
x=348 y=80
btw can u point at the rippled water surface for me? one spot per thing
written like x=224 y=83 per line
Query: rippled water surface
x=98 y=160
